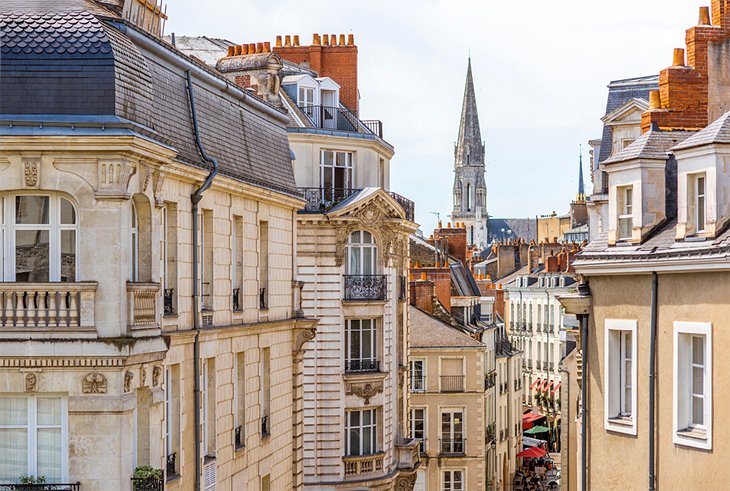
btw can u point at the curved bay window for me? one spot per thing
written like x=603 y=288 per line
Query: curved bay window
x=38 y=238
x=361 y=280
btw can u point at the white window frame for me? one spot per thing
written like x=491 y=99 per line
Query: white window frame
x=356 y=245
x=424 y=419
x=32 y=428
x=422 y=379
x=8 y=227
x=365 y=325
x=452 y=429
x=682 y=429
x=614 y=377
x=625 y=210
x=360 y=427
x=348 y=169
x=697 y=197
x=452 y=473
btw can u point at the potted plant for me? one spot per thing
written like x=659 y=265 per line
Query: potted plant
x=147 y=478
x=40 y=480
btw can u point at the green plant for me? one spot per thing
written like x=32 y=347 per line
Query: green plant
x=32 y=479
x=147 y=473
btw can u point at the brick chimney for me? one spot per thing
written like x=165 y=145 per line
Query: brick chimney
x=456 y=243
x=422 y=294
x=551 y=263
x=440 y=279
x=329 y=58
x=687 y=87
x=255 y=68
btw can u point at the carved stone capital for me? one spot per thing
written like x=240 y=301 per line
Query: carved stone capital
x=303 y=335
x=366 y=390
x=128 y=377
x=114 y=177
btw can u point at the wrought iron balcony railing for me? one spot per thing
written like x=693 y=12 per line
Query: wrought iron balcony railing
x=452 y=446
x=320 y=200
x=169 y=304
x=41 y=487
x=366 y=287
x=341 y=119
x=407 y=205
x=362 y=365
x=171 y=466
x=452 y=383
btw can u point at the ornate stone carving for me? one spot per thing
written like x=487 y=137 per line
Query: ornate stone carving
x=128 y=377
x=366 y=390
x=303 y=336
x=156 y=373
x=31 y=382
x=143 y=376
x=157 y=180
x=114 y=177
x=405 y=483
x=147 y=178
x=94 y=383
x=31 y=169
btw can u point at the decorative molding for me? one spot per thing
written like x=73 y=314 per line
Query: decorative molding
x=143 y=376
x=366 y=390
x=114 y=178
x=31 y=171
x=303 y=335
x=128 y=377
x=25 y=362
x=158 y=180
x=405 y=483
x=156 y=374
x=94 y=383
x=31 y=382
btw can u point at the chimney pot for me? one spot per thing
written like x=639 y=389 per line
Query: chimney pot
x=287 y=40
x=342 y=40
x=333 y=39
x=237 y=50
x=267 y=47
x=448 y=225
x=423 y=276
x=251 y=48
x=655 y=101
x=316 y=40
x=705 y=16
x=259 y=47
x=325 y=39
x=296 y=40
x=278 y=42
x=350 y=39
x=678 y=57
x=231 y=50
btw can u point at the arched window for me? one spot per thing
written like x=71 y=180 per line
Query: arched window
x=41 y=235
x=362 y=254
x=469 y=197
x=134 y=235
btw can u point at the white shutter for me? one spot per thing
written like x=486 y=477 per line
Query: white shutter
x=209 y=476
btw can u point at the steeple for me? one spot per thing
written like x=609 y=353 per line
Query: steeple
x=581 y=190
x=469 y=148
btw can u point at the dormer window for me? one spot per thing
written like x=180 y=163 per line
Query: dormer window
x=698 y=181
x=306 y=99
x=625 y=212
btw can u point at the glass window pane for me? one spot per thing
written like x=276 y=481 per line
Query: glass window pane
x=367 y=260
x=698 y=404
x=31 y=210
x=32 y=255
x=698 y=350
x=13 y=454
x=68 y=255
x=327 y=158
x=698 y=380
x=13 y=411
x=68 y=214
x=354 y=441
x=49 y=453
x=49 y=411
x=367 y=441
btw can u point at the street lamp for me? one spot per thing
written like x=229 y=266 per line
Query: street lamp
x=491 y=480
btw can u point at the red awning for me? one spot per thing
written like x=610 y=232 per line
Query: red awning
x=535 y=383
x=545 y=389
x=544 y=385
x=532 y=453
x=555 y=389
x=529 y=417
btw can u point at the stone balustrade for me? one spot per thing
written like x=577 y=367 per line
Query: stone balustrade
x=142 y=304
x=47 y=305
x=363 y=464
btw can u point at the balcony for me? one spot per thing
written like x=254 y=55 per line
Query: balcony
x=142 y=305
x=40 y=487
x=491 y=432
x=47 y=305
x=363 y=464
x=169 y=302
x=408 y=454
x=452 y=446
x=341 y=119
x=373 y=287
x=171 y=466
x=320 y=200
x=418 y=384
x=452 y=383
x=362 y=366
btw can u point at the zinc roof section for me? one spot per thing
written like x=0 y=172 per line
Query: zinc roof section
x=653 y=144
x=716 y=132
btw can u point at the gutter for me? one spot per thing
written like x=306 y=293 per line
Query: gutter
x=182 y=62
x=196 y=197
x=652 y=377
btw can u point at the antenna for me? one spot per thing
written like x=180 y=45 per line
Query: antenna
x=438 y=215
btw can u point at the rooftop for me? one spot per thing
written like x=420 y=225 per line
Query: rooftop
x=429 y=332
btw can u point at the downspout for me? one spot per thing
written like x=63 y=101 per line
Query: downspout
x=584 y=401
x=195 y=199
x=567 y=428
x=652 y=376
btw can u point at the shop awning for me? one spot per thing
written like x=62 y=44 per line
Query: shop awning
x=550 y=386
x=555 y=389
x=544 y=385
x=535 y=383
x=532 y=442
x=530 y=417
x=532 y=453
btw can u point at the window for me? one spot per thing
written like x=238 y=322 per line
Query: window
x=361 y=253
x=418 y=375
x=134 y=236
x=699 y=203
x=453 y=480
x=42 y=238
x=208 y=420
x=469 y=197
x=418 y=426
x=172 y=418
x=265 y=391
x=625 y=212
x=692 y=402
x=620 y=376
x=361 y=432
x=306 y=99
x=362 y=348
x=206 y=263
x=169 y=260
x=33 y=438
x=336 y=174
x=452 y=432
x=237 y=263
x=239 y=433
x=263 y=265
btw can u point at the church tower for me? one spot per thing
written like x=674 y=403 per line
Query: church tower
x=470 y=188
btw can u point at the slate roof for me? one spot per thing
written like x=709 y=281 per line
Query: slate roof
x=523 y=228
x=619 y=93
x=429 y=332
x=653 y=144
x=716 y=132
x=65 y=60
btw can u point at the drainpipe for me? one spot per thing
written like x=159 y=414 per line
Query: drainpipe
x=584 y=401
x=195 y=198
x=652 y=375
x=567 y=412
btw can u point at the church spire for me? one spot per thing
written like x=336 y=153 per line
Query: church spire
x=581 y=189
x=469 y=149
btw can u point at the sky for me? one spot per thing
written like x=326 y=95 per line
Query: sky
x=540 y=72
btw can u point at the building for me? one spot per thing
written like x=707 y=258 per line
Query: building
x=654 y=303
x=470 y=188
x=124 y=344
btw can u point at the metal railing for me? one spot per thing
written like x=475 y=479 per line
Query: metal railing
x=341 y=119
x=452 y=446
x=490 y=380
x=238 y=437
x=263 y=299
x=171 y=466
x=320 y=200
x=374 y=125
x=236 y=300
x=491 y=432
x=41 y=487
x=362 y=365
x=418 y=384
x=408 y=206
x=403 y=288
x=422 y=444
x=169 y=304
x=452 y=383
x=529 y=363
x=366 y=287
x=147 y=484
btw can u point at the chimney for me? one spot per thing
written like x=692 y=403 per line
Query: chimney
x=655 y=101
x=678 y=57
x=287 y=40
x=422 y=294
x=296 y=40
x=278 y=41
x=704 y=17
